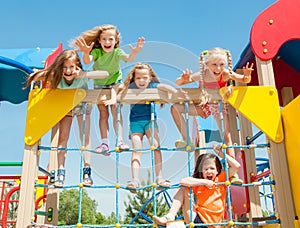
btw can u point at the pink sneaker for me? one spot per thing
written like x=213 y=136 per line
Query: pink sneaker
x=123 y=146
x=103 y=149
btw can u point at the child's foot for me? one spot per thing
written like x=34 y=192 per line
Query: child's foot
x=103 y=149
x=123 y=146
x=87 y=179
x=162 y=221
x=162 y=183
x=182 y=144
x=236 y=180
x=59 y=182
x=133 y=185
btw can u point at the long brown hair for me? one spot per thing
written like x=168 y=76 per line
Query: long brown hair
x=199 y=164
x=54 y=73
x=93 y=35
x=131 y=75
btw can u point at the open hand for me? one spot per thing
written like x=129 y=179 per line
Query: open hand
x=83 y=46
x=186 y=75
x=248 y=70
x=139 y=46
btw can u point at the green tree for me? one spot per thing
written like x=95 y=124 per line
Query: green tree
x=109 y=220
x=135 y=202
x=68 y=208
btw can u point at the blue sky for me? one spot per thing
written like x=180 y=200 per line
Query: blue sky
x=175 y=32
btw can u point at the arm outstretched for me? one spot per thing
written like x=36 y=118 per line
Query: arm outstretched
x=135 y=50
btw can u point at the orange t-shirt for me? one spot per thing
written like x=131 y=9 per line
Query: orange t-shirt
x=211 y=201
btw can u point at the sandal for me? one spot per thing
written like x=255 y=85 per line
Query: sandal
x=87 y=179
x=59 y=182
x=236 y=180
x=103 y=149
x=133 y=185
x=162 y=221
x=182 y=144
x=162 y=183
x=123 y=146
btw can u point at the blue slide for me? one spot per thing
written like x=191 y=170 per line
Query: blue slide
x=12 y=82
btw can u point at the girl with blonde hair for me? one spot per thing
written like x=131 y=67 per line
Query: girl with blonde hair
x=142 y=76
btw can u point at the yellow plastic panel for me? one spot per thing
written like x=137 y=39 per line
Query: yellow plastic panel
x=47 y=107
x=40 y=191
x=260 y=105
x=291 y=123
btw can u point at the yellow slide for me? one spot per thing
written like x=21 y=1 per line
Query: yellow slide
x=46 y=108
x=260 y=105
x=291 y=123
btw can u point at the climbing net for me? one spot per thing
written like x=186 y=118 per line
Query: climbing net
x=189 y=149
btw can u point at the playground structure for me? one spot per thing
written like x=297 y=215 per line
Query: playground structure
x=258 y=103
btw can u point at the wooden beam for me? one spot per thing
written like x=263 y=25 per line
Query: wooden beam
x=140 y=96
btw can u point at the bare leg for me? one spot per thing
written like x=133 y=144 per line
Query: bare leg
x=103 y=121
x=64 y=132
x=87 y=140
x=227 y=135
x=177 y=111
x=136 y=156
x=180 y=199
x=118 y=127
x=87 y=179
x=114 y=112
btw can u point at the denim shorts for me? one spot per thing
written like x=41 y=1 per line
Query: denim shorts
x=141 y=126
x=197 y=220
x=78 y=110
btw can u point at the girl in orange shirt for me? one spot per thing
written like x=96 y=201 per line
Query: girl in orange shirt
x=210 y=196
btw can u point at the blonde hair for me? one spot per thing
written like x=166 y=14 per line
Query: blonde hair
x=54 y=73
x=131 y=75
x=94 y=34
x=210 y=55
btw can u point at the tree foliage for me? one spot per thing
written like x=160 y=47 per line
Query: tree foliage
x=68 y=208
x=137 y=201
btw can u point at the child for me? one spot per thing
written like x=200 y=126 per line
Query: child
x=66 y=73
x=142 y=76
x=210 y=197
x=101 y=45
x=214 y=76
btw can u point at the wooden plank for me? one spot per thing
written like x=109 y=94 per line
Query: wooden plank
x=29 y=175
x=53 y=193
x=140 y=96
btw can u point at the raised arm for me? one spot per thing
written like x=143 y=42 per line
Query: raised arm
x=85 y=49
x=35 y=76
x=246 y=77
x=97 y=74
x=135 y=50
x=187 y=77
x=233 y=164
x=191 y=181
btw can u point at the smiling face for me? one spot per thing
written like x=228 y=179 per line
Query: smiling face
x=209 y=169
x=68 y=70
x=108 y=40
x=216 y=66
x=142 y=78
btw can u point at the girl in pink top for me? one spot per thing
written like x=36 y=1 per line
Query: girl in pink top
x=213 y=74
